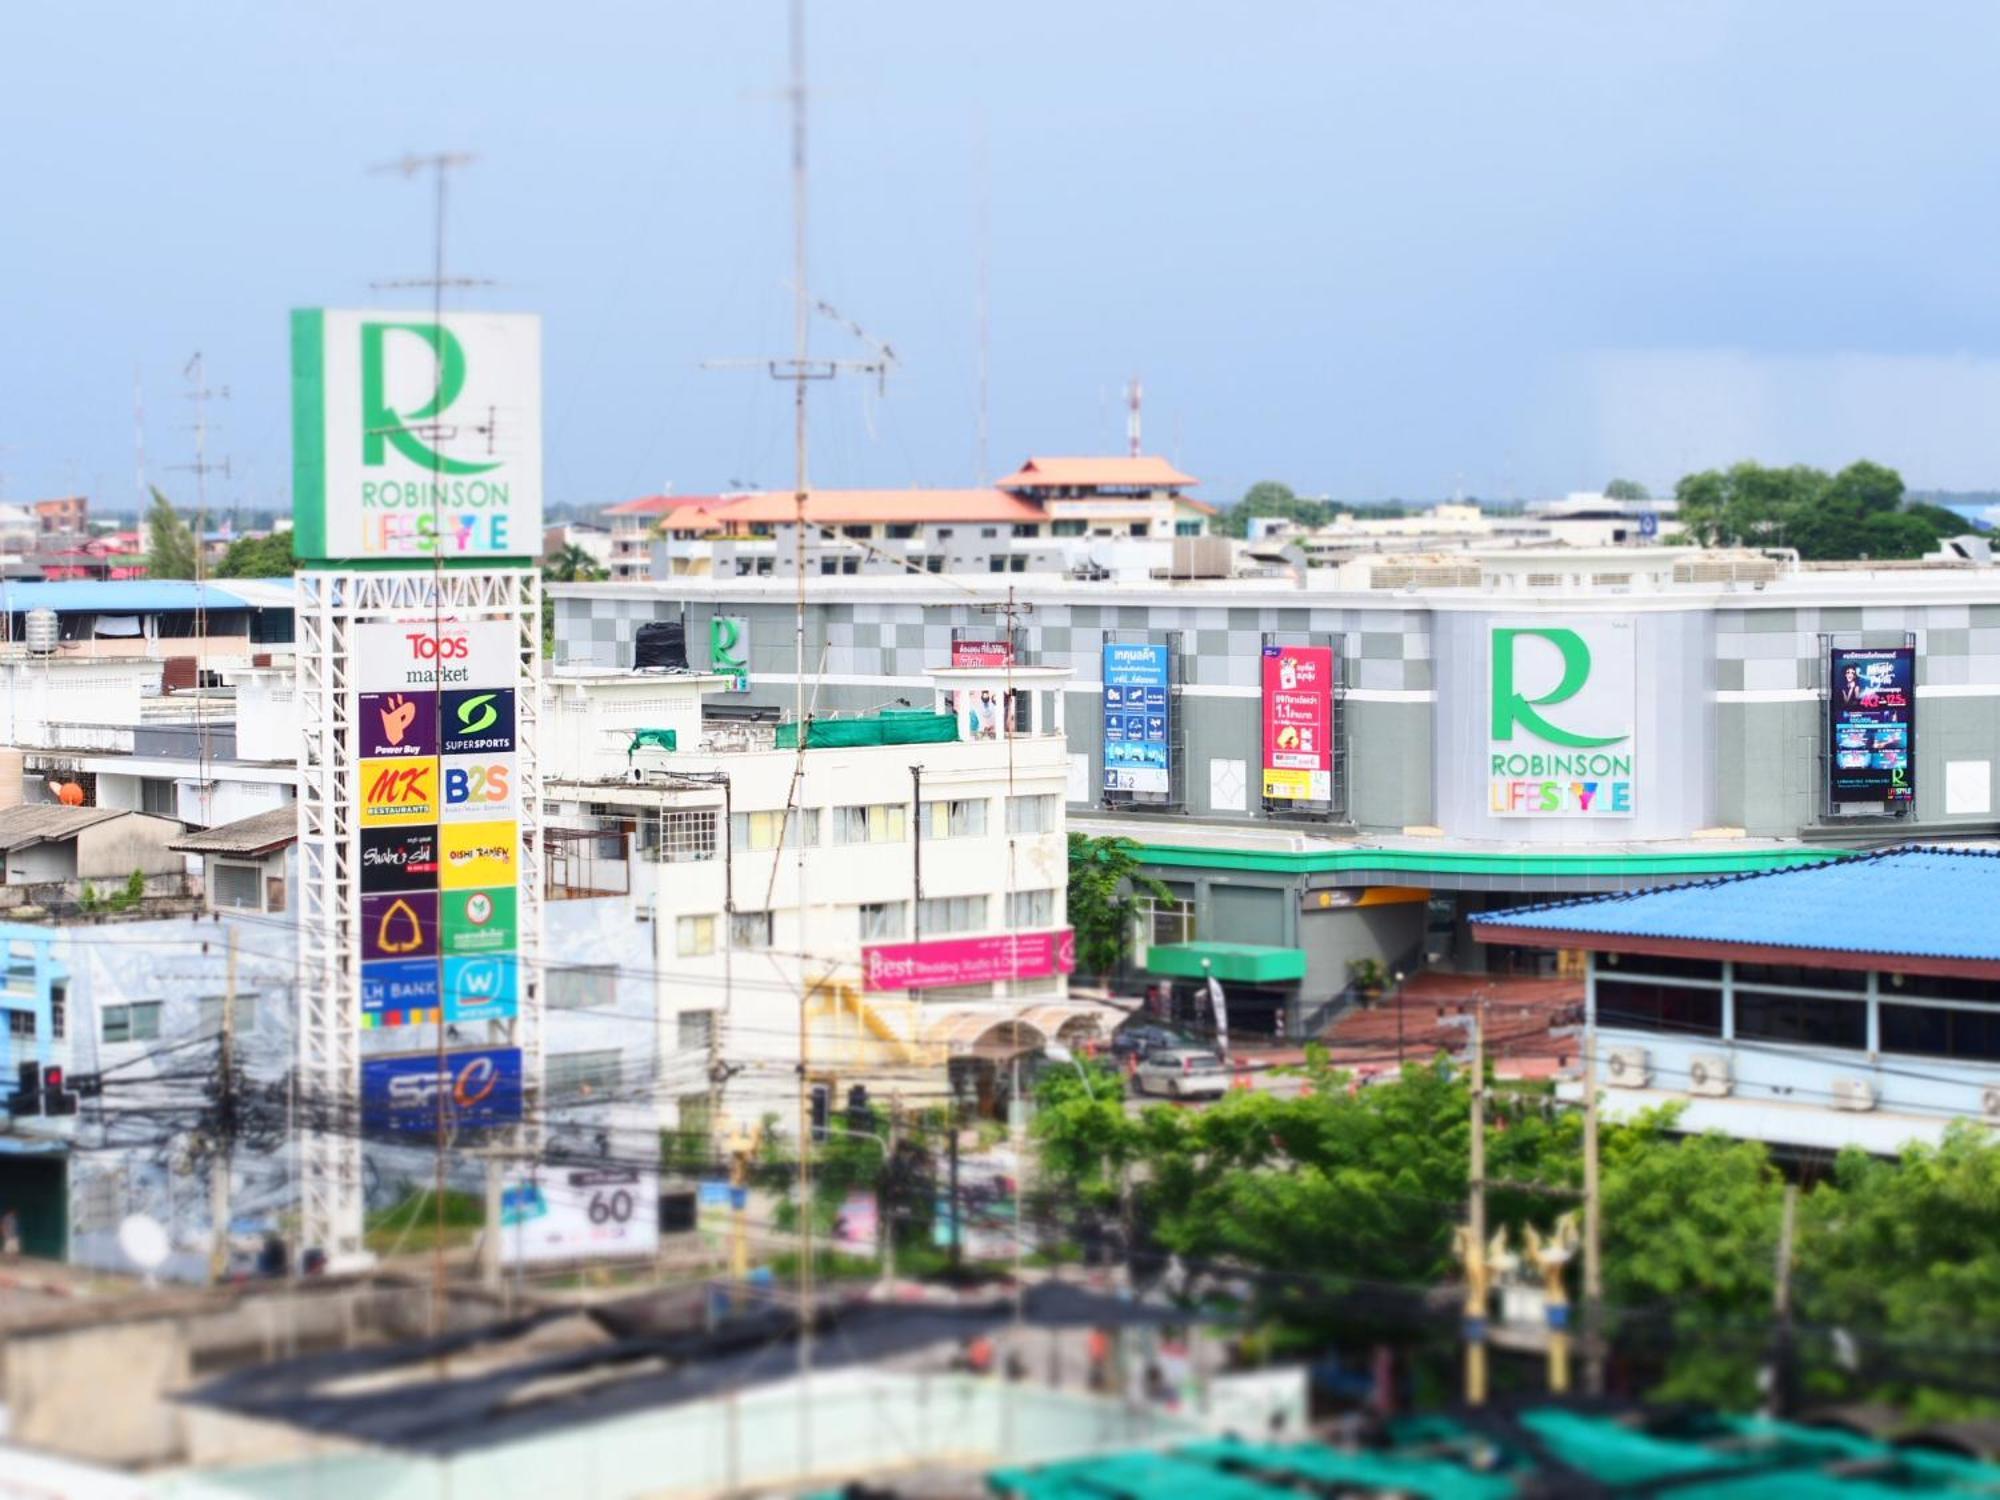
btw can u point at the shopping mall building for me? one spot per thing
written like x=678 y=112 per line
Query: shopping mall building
x=1327 y=774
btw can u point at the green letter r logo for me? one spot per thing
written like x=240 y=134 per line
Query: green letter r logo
x=1511 y=708
x=382 y=423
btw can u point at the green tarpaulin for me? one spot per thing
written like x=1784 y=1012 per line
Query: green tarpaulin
x=910 y=727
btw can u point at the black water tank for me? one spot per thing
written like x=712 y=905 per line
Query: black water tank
x=661 y=643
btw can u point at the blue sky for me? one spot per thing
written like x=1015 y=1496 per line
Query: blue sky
x=1368 y=249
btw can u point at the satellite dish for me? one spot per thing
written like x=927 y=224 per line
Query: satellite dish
x=144 y=1242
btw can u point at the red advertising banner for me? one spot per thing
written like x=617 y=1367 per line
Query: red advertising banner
x=982 y=653
x=974 y=960
x=1298 y=723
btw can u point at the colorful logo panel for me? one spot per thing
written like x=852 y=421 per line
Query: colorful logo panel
x=474 y=1090
x=399 y=992
x=481 y=989
x=478 y=786
x=480 y=921
x=391 y=724
x=400 y=926
x=477 y=855
x=477 y=721
x=399 y=859
x=395 y=792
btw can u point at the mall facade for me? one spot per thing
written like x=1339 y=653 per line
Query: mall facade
x=1325 y=777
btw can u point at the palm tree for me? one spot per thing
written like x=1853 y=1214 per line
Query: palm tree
x=572 y=564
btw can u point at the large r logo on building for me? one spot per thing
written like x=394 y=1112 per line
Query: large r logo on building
x=726 y=649
x=1511 y=707
x=382 y=424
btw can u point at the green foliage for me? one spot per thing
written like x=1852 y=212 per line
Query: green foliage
x=1857 y=513
x=258 y=557
x=127 y=896
x=571 y=564
x=1105 y=883
x=172 y=550
x=1267 y=497
x=1626 y=489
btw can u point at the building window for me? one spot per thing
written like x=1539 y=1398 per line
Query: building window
x=750 y=929
x=1026 y=528
x=933 y=565
x=1031 y=909
x=687 y=836
x=1066 y=528
x=693 y=1030
x=1797 y=1019
x=961 y=818
x=274 y=893
x=582 y=987
x=877 y=823
x=584 y=1075
x=884 y=921
x=901 y=531
x=21 y=968
x=989 y=533
x=996 y=564
x=942 y=914
x=1141 y=528
x=1169 y=922
x=1017 y=564
x=158 y=795
x=863 y=532
x=1635 y=1005
x=1187 y=528
x=829 y=566
x=1036 y=814
x=139 y=1022
x=850 y=565
x=239 y=886
x=761 y=830
x=694 y=937
x=210 y=1022
x=58 y=1011
x=1931 y=1031
x=1789 y=976
x=21 y=1023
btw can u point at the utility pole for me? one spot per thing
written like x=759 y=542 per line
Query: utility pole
x=1781 y=1308
x=1593 y=1246
x=222 y=1161
x=1476 y=1268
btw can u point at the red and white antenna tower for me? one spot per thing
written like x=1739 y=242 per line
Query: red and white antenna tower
x=1135 y=396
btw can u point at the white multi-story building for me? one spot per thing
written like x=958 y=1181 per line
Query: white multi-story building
x=880 y=910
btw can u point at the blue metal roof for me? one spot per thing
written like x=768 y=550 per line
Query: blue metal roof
x=1911 y=903
x=123 y=596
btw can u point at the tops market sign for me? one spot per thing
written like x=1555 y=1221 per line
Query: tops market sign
x=414 y=437
x=1560 y=741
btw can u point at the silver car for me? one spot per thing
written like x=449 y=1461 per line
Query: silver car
x=1182 y=1073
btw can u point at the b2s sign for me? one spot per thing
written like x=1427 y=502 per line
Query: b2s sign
x=1560 y=742
x=478 y=786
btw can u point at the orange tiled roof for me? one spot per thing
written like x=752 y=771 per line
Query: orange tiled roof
x=1145 y=472
x=857 y=508
x=659 y=505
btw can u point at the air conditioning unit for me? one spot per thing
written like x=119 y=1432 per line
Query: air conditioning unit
x=1625 y=1068
x=1708 y=1073
x=1853 y=1093
x=1989 y=1101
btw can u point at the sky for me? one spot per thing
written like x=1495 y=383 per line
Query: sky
x=1369 y=250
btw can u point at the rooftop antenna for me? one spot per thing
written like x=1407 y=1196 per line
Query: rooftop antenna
x=1135 y=397
x=982 y=235
x=139 y=435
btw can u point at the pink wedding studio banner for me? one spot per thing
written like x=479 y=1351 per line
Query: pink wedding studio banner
x=975 y=960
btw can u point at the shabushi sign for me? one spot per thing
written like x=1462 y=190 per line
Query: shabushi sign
x=414 y=437
x=1560 y=721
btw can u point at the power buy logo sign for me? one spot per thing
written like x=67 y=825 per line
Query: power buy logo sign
x=414 y=437
x=1560 y=712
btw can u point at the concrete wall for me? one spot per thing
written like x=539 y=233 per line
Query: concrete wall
x=112 y=850
x=98 y=1392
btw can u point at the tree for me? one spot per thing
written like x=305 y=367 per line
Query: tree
x=171 y=553
x=1856 y=513
x=258 y=557
x=1105 y=882
x=571 y=564
x=1626 y=489
x=1267 y=497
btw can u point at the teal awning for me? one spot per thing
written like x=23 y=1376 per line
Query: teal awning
x=1242 y=963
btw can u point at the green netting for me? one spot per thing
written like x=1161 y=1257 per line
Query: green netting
x=910 y=727
x=652 y=739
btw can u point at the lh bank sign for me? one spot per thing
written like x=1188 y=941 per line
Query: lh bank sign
x=414 y=437
x=1560 y=713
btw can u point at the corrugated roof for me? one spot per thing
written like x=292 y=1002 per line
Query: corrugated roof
x=41 y=822
x=144 y=596
x=1086 y=473
x=1909 y=903
x=257 y=834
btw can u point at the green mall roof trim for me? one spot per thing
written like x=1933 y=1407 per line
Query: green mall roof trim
x=1692 y=863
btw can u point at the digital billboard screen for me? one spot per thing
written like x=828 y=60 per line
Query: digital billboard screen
x=1873 y=705
x=1298 y=724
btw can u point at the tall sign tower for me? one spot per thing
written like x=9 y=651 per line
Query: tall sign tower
x=417 y=494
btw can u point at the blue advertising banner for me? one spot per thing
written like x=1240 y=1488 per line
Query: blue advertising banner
x=399 y=992
x=481 y=988
x=1874 y=707
x=481 y=1090
x=1137 y=720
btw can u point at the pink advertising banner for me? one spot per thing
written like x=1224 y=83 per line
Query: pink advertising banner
x=974 y=960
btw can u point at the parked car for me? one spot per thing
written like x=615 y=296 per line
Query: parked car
x=1182 y=1073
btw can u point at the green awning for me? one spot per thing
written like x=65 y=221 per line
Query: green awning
x=1242 y=963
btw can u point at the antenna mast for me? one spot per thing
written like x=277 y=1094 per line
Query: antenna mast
x=1135 y=396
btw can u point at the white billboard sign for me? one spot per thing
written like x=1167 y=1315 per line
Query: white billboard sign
x=580 y=1213
x=415 y=437
x=421 y=654
x=1561 y=720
